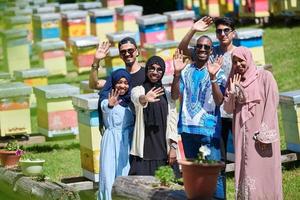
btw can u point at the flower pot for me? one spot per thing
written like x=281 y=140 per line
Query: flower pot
x=200 y=179
x=9 y=159
x=32 y=167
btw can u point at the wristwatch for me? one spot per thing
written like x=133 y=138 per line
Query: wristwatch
x=95 y=66
x=173 y=145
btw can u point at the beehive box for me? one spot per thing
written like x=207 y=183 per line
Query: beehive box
x=290 y=111
x=14 y=109
x=253 y=39
x=102 y=22
x=112 y=3
x=152 y=28
x=257 y=8
x=115 y=38
x=32 y=77
x=73 y=25
x=43 y=10
x=179 y=23
x=55 y=113
x=83 y=52
x=15 y=48
x=85 y=88
x=5 y=77
x=89 y=6
x=89 y=137
x=210 y=7
x=126 y=18
x=52 y=56
x=46 y=26
x=66 y=7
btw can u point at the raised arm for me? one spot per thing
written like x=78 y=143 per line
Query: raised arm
x=199 y=26
x=100 y=54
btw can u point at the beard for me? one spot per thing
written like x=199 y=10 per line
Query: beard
x=129 y=64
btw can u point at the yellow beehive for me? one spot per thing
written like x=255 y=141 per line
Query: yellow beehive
x=89 y=6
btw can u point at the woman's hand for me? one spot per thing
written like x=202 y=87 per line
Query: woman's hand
x=235 y=81
x=178 y=62
x=214 y=67
x=172 y=156
x=113 y=98
x=152 y=94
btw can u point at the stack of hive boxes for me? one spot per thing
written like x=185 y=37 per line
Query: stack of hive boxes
x=83 y=52
x=52 y=56
x=210 y=7
x=179 y=23
x=73 y=25
x=88 y=120
x=126 y=19
x=102 y=22
x=89 y=6
x=290 y=111
x=14 y=109
x=46 y=26
x=55 y=113
x=15 y=48
x=257 y=8
x=32 y=77
x=152 y=28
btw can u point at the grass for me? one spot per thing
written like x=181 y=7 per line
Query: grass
x=282 y=50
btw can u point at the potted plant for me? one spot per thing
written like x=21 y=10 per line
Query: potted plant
x=200 y=175
x=31 y=166
x=11 y=154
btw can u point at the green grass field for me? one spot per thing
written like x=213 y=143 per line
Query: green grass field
x=282 y=50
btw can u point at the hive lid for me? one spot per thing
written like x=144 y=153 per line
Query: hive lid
x=39 y=2
x=14 y=89
x=50 y=45
x=84 y=41
x=47 y=17
x=18 y=20
x=118 y=36
x=14 y=33
x=102 y=12
x=290 y=97
x=46 y=9
x=90 y=5
x=56 y=91
x=180 y=14
x=248 y=33
x=86 y=101
x=74 y=14
x=151 y=19
x=67 y=6
x=129 y=8
x=113 y=51
x=31 y=73
x=5 y=75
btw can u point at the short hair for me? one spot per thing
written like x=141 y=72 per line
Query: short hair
x=225 y=21
x=126 y=40
x=207 y=37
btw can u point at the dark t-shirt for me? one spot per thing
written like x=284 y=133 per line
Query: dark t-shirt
x=138 y=78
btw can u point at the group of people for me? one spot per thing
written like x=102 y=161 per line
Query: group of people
x=221 y=91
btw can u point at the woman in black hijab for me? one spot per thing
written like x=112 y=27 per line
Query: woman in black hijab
x=155 y=134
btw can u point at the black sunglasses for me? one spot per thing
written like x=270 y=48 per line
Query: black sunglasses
x=226 y=31
x=205 y=46
x=158 y=70
x=124 y=51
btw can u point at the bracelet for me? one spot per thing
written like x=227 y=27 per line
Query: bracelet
x=213 y=81
x=173 y=145
x=110 y=107
x=95 y=66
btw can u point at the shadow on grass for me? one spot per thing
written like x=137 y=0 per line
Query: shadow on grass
x=50 y=147
x=291 y=165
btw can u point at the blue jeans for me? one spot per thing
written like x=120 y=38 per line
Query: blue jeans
x=192 y=143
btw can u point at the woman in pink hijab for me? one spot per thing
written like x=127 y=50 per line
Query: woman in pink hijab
x=252 y=97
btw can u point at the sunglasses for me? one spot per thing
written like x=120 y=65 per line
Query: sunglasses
x=205 y=46
x=124 y=51
x=158 y=70
x=226 y=31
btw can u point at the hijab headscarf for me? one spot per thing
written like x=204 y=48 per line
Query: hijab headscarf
x=249 y=84
x=156 y=111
